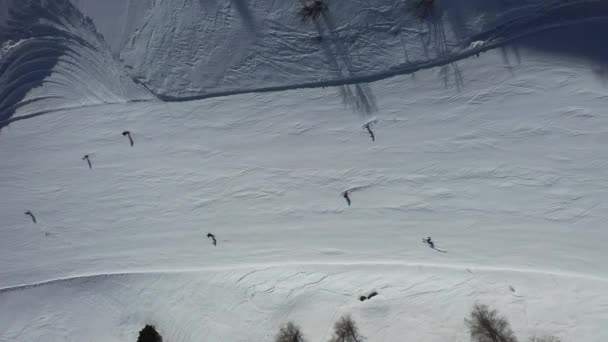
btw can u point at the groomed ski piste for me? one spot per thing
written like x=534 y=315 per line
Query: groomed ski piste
x=492 y=142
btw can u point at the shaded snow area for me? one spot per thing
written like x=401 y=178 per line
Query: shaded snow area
x=490 y=135
x=185 y=48
x=51 y=57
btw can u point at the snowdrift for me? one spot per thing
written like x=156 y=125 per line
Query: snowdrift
x=52 y=57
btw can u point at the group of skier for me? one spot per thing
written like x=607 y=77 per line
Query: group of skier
x=87 y=157
x=345 y=194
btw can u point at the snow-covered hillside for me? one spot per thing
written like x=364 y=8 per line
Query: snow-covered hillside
x=185 y=48
x=500 y=158
x=51 y=57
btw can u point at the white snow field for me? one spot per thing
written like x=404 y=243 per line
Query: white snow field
x=500 y=158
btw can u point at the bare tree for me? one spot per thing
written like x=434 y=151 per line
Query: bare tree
x=312 y=9
x=485 y=325
x=546 y=338
x=149 y=334
x=290 y=333
x=345 y=330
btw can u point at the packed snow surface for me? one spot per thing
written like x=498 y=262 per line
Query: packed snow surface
x=500 y=158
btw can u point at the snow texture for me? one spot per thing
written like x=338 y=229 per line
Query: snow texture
x=500 y=158
x=52 y=57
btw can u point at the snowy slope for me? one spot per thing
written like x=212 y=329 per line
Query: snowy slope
x=503 y=163
x=183 y=49
x=51 y=57
x=116 y=20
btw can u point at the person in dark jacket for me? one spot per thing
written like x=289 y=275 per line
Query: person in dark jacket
x=369 y=130
x=346 y=197
x=212 y=237
x=29 y=213
x=128 y=134
x=86 y=157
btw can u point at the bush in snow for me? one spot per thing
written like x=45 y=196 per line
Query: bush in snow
x=485 y=325
x=546 y=338
x=149 y=334
x=312 y=9
x=289 y=333
x=345 y=330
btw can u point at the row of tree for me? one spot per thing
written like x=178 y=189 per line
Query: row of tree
x=484 y=324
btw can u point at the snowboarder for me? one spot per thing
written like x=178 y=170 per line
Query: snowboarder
x=212 y=237
x=128 y=134
x=429 y=242
x=86 y=157
x=29 y=213
x=346 y=197
x=369 y=130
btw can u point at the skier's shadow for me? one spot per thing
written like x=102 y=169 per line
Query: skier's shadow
x=439 y=250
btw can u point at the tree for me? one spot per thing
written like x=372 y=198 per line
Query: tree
x=290 y=333
x=485 y=325
x=312 y=9
x=149 y=334
x=345 y=330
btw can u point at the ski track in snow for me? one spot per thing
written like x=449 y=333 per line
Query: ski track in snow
x=262 y=267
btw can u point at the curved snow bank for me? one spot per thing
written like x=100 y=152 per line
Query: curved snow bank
x=52 y=57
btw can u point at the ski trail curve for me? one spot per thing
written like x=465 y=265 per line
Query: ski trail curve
x=266 y=266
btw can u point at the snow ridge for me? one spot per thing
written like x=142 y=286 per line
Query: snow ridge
x=52 y=57
x=258 y=267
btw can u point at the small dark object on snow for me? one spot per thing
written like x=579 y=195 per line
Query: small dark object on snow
x=212 y=237
x=511 y=288
x=431 y=244
x=29 y=213
x=86 y=157
x=346 y=197
x=369 y=130
x=362 y=298
x=128 y=134
x=372 y=295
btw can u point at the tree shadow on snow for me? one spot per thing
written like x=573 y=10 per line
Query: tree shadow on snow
x=435 y=44
x=359 y=97
x=571 y=29
x=583 y=41
x=245 y=13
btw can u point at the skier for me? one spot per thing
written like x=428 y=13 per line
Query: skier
x=212 y=237
x=86 y=157
x=369 y=130
x=29 y=213
x=128 y=134
x=346 y=197
x=429 y=242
